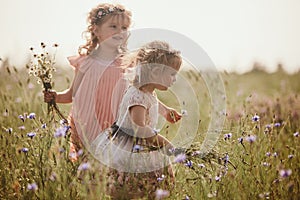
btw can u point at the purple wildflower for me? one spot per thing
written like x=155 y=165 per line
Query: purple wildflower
x=21 y=117
x=218 y=178
x=31 y=134
x=227 y=136
x=44 y=126
x=268 y=154
x=251 y=138
x=187 y=197
x=32 y=186
x=226 y=159
x=160 y=179
x=290 y=156
x=160 y=194
x=67 y=128
x=180 y=158
x=25 y=150
x=296 y=134
x=31 y=116
x=84 y=166
x=255 y=118
x=241 y=139
x=137 y=148
x=189 y=163
x=61 y=131
x=156 y=131
x=277 y=124
x=284 y=173
x=72 y=155
x=275 y=154
x=268 y=126
x=80 y=152
x=21 y=127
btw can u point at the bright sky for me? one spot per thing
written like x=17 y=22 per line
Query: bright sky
x=234 y=33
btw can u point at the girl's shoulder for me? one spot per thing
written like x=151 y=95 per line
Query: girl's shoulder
x=76 y=61
x=84 y=62
x=134 y=91
x=134 y=96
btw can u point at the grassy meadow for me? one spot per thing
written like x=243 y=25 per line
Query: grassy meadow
x=257 y=155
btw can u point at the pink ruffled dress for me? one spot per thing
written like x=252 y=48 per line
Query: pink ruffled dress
x=97 y=92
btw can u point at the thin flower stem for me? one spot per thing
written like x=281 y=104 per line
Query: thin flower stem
x=54 y=105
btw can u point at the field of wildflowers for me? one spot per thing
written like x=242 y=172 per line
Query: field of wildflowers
x=257 y=155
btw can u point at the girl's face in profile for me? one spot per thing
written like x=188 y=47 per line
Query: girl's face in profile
x=113 y=30
x=166 y=78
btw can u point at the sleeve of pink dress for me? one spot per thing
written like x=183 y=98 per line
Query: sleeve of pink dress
x=76 y=61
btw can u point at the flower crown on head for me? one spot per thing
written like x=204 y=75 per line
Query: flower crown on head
x=106 y=11
x=161 y=52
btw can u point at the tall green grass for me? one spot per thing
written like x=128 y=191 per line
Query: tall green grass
x=233 y=170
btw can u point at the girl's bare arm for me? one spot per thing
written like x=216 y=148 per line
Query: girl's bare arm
x=66 y=95
x=170 y=114
x=138 y=117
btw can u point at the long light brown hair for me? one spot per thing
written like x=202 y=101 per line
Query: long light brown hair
x=92 y=41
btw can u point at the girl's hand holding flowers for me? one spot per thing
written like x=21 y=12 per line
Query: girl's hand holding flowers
x=49 y=96
x=42 y=66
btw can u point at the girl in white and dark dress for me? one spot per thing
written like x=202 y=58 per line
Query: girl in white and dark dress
x=136 y=154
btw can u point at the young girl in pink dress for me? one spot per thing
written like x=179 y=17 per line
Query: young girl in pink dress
x=138 y=156
x=98 y=84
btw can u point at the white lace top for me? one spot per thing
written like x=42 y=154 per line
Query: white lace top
x=133 y=96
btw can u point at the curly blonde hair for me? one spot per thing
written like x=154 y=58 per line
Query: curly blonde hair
x=110 y=10
x=154 y=54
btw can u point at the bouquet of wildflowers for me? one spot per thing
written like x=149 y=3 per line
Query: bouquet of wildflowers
x=42 y=66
